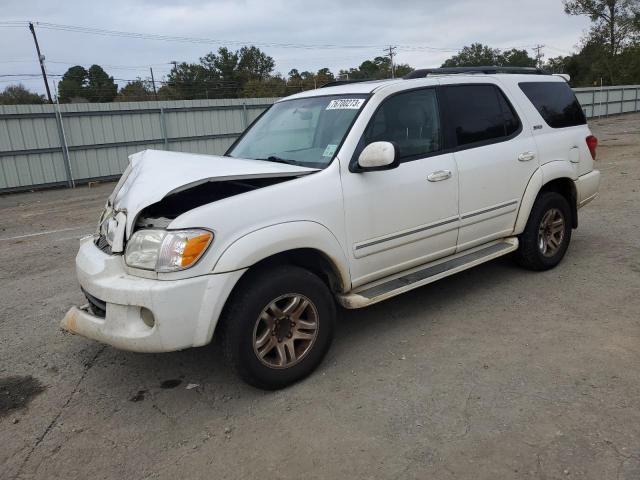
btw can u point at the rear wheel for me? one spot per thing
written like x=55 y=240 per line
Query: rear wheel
x=547 y=235
x=278 y=326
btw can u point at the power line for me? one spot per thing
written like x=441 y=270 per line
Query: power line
x=391 y=51
x=539 y=55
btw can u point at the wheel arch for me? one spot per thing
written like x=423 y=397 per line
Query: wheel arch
x=555 y=178
x=306 y=244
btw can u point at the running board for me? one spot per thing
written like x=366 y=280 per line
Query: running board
x=403 y=282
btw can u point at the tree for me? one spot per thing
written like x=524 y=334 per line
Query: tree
x=73 y=84
x=254 y=64
x=274 y=86
x=324 y=76
x=475 y=55
x=136 y=91
x=479 y=55
x=93 y=85
x=516 y=58
x=186 y=81
x=19 y=95
x=615 y=27
x=100 y=86
x=378 y=68
x=615 y=21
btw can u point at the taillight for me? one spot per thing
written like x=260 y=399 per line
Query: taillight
x=592 y=143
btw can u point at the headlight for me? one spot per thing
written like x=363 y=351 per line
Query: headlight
x=166 y=250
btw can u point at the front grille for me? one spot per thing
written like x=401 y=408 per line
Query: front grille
x=102 y=244
x=97 y=306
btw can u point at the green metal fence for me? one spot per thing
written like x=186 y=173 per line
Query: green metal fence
x=47 y=145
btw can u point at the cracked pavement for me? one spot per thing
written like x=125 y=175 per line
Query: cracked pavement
x=495 y=373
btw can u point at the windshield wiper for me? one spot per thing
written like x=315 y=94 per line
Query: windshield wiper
x=273 y=158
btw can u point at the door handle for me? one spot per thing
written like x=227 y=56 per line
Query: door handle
x=526 y=156
x=439 y=175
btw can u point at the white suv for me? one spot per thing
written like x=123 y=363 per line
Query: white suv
x=355 y=192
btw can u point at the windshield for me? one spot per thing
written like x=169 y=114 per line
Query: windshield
x=305 y=131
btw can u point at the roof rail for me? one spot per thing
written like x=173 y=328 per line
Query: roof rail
x=344 y=82
x=425 y=72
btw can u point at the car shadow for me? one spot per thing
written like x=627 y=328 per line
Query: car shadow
x=205 y=371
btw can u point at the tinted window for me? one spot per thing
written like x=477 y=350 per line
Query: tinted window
x=511 y=121
x=556 y=103
x=410 y=120
x=478 y=113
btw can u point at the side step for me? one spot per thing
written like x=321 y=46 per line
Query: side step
x=408 y=280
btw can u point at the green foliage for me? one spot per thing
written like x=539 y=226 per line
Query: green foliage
x=100 y=86
x=19 y=95
x=261 y=88
x=136 y=91
x=478 y=55
x=218 y=75
x=73 y=84
x=615 y=22
x=378 y=68
x=298 y=82
x=610 y=49
x=93 y=85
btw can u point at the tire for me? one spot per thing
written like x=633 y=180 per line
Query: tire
x=266 y=319
x=542 y=247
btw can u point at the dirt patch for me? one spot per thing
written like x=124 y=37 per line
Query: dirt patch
x=16 y=392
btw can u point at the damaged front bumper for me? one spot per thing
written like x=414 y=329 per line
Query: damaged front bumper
x=145 y=315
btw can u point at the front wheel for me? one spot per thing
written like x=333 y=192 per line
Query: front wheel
x=278 y=326
x=547 y=235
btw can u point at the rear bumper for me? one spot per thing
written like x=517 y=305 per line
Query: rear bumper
x=587 y=187
x=146 y=315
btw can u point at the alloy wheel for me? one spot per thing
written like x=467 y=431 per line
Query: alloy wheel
x=285 y=331
x=551 y=232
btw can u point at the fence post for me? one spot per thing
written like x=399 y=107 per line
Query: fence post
x=163 y=126
x=593 y=102
x=636 y=107
x=622 y=101
x=244 y=114
x=63 y=144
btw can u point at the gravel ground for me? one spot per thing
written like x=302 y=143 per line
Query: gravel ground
x=495 y=373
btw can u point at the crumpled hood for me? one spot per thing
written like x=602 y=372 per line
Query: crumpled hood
x=153 y=174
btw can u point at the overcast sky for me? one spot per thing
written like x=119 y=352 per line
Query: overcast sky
x=421 y=29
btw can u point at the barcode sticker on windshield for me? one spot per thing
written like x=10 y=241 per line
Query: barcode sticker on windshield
x=345 y=104
x=330 y=150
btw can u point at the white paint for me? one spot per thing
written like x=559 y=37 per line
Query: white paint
x=377 y=154
x=371 y=225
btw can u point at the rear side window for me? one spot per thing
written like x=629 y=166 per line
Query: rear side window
x=478 y=114
x=556 y=103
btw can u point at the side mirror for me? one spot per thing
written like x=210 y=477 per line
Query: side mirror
x=378 y=156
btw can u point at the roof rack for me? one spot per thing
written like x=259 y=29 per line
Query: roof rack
x=425 y=72
x=344 y=82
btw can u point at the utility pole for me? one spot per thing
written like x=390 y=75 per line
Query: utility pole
x=41 y=60
x=539 y=55
x=391 y=52
x=153 y=82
